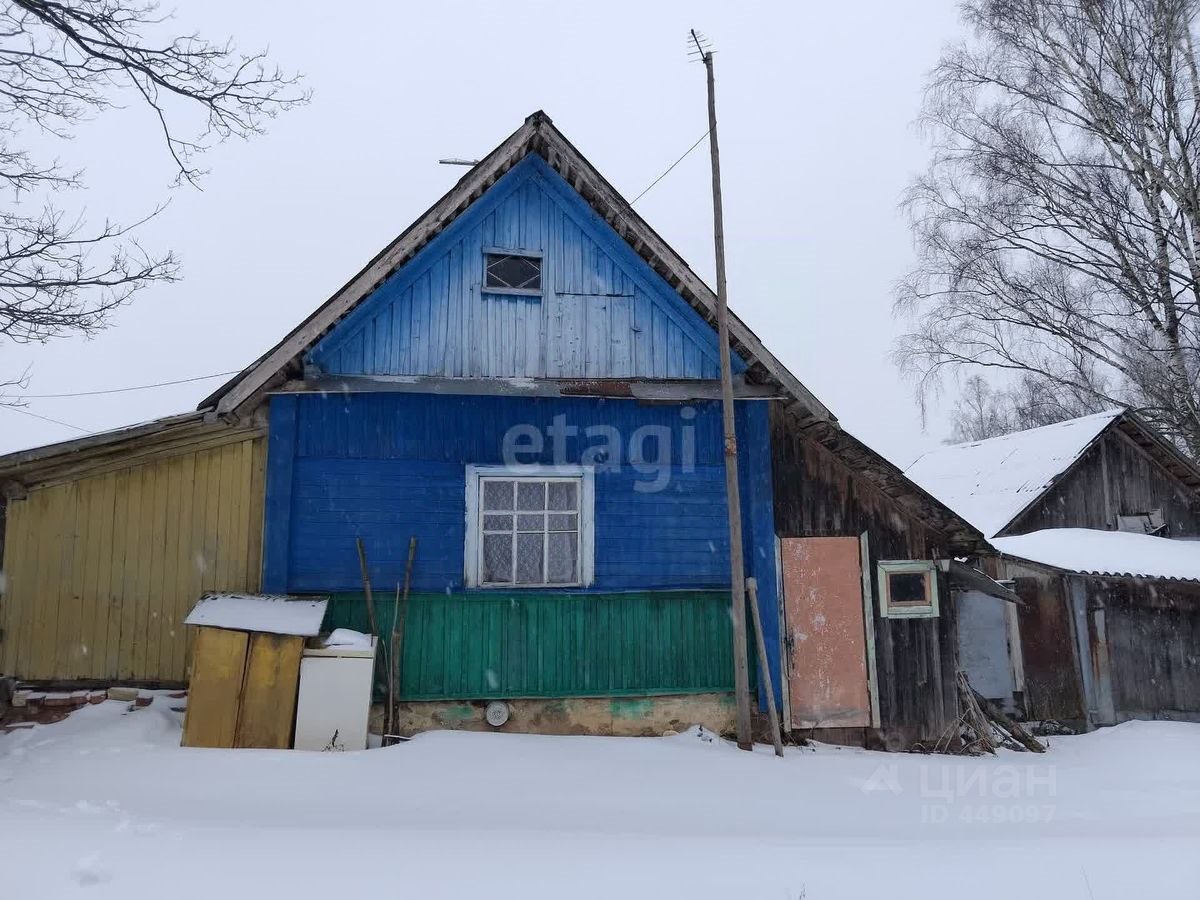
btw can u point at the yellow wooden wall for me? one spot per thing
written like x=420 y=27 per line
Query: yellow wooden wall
x=99 y=572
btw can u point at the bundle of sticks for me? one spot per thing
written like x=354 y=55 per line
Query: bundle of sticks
x=986 y=727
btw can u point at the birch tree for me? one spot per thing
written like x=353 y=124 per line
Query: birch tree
x=1058 y=224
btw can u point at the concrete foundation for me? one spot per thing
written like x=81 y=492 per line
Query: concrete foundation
x=621 y=716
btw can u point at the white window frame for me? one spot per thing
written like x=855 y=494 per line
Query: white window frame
x=907 y=567
x=473 y=555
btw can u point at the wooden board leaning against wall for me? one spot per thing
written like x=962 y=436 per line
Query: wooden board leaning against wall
x=102 y=563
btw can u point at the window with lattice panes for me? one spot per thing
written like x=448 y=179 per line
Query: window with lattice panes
x=529 y=530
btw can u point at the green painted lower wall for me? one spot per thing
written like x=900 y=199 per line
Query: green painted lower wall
x=501 y=645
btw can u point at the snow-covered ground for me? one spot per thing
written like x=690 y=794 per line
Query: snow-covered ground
x=106 y=804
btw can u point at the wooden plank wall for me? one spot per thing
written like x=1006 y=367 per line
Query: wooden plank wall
x=1053 y=686
x=100 y=571
x=818 y=495
x=1136 y=484
x=506 y=644
x=1153 y=633
x=603 y=312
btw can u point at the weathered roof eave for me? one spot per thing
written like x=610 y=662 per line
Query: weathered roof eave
x=19 y=460
x=536 y=135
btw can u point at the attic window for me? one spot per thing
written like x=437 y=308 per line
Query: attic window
x=512 y=273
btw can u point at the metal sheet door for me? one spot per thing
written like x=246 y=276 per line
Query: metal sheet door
x=823 y=601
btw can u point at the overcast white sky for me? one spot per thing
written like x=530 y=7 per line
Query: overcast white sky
x=816 y=104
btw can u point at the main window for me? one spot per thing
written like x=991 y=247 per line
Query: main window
x=528 y=528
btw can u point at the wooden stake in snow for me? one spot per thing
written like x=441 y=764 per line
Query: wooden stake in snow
x=763 y=667
x=396 y=644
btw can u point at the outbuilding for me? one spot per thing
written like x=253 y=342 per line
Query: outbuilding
x=1097 y=521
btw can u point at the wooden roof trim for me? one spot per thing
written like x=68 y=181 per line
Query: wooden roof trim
x=1160 y=449
x=22 y=459
x=539 y=135
x=470 y=187
x=891 y=481
x=131 y=454
x=121 y=448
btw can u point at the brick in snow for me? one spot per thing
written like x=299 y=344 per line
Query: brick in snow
x=124 y=694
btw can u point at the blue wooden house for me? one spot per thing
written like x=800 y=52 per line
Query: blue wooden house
x=526 y=382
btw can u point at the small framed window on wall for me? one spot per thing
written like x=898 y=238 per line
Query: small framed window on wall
x=908 y=589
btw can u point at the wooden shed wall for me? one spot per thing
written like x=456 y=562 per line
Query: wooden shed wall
x=1053 y=689
x=1135 y=484
x=817 y=495
x=1152 y=632
x=100 y=571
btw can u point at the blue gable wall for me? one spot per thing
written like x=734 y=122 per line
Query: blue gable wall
x=603 y=313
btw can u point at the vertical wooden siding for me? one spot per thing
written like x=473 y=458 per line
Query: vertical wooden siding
x=818 y=495
x=1136 y=484
x=603 y=313
x=100 y=571
x=501 y=644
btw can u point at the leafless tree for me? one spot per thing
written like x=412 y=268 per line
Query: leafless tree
x=64 y=62
x=983 y=412
x=1058 y=225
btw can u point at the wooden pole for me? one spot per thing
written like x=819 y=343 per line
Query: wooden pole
x=737 y=568
x=763 y=666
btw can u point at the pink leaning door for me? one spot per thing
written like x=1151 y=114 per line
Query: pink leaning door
x=823 y=604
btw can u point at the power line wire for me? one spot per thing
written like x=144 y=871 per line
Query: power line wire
x=123 y=390
x=26 y=412
x=669 y=168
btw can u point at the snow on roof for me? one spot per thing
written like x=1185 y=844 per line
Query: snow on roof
x=990 y=482
x=272 y=613
x=1096 y=552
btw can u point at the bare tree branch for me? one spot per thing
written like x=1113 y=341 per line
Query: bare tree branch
x=1058 y=224
x=62 y=63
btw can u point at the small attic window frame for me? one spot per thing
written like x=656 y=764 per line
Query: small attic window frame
x=489 y=252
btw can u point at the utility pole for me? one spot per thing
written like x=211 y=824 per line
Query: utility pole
x=737 y=568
